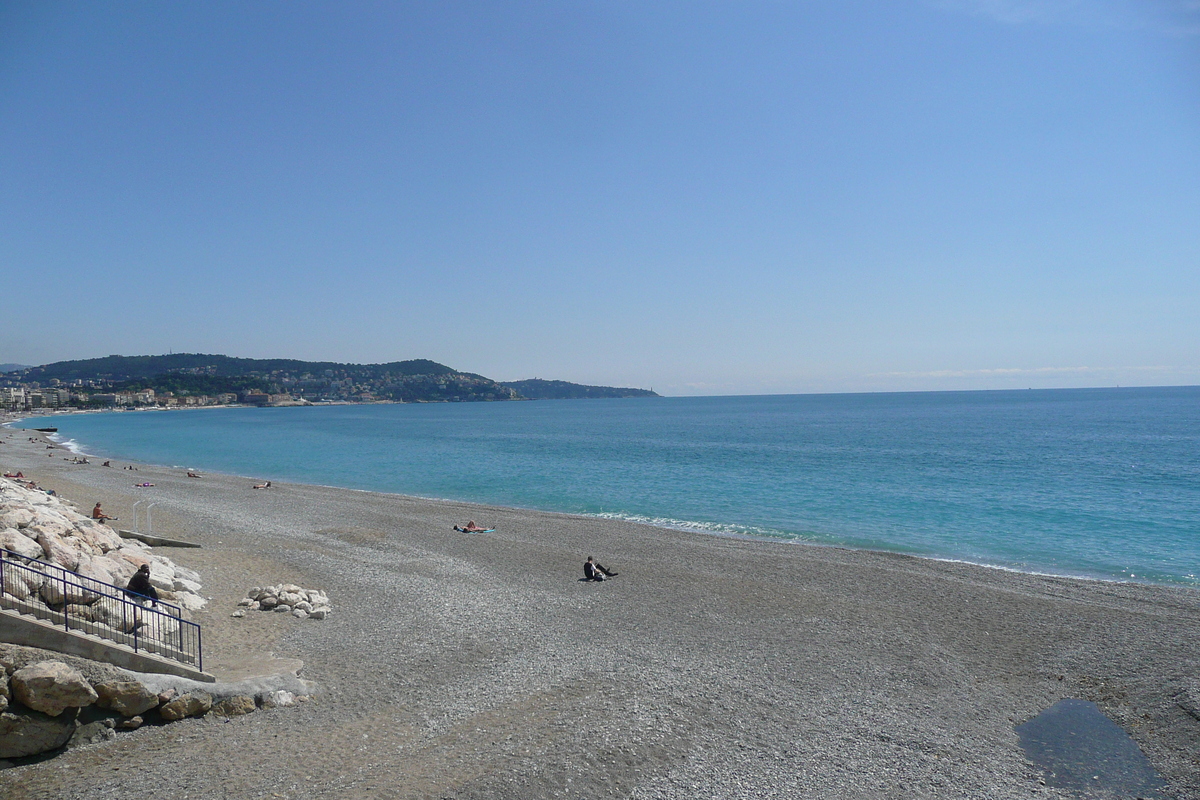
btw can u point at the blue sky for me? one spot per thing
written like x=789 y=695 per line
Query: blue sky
x=705 y=198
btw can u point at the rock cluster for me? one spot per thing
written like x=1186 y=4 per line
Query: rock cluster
x=286 y=597
x=36 y=525
x=47 y=705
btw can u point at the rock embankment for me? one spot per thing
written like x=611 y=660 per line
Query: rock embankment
x=286 y=597
x=48 y=704
x=37 y=525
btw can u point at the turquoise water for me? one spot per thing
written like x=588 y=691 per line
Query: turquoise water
x=1101 y=483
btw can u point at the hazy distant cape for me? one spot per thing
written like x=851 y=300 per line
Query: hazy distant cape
x=538 y=389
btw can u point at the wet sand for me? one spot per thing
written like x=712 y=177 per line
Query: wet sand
x=481 y=666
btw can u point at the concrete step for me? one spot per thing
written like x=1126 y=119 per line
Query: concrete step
x=42 y=630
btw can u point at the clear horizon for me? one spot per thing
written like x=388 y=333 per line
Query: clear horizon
x=703 y=198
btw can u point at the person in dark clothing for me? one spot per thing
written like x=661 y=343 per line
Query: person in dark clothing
x=139 y=585
x=594 y=572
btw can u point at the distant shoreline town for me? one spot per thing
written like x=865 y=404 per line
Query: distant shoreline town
x=194 y=380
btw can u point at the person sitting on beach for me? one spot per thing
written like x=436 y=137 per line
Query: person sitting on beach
x=107 y=464
x=594 y=572
x=98 y=514
x=471 y=527
x=139 y=586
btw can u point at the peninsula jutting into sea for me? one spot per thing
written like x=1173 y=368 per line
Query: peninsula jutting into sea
x=197 y=379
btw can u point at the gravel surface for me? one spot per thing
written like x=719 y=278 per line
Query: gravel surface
x=481 y=666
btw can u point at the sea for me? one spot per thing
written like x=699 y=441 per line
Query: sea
x=1095 y=483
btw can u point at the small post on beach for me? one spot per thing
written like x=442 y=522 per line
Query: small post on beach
x=135 y=510
x=149 y=521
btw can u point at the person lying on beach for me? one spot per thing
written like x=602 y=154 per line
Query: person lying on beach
x=594 y=572
x=471 y=527
x=98 y=514
x=266 y=485
x=139 y=585
x=20 y=475
x=193 y=475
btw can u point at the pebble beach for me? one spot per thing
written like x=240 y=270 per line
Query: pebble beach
x=482 y=666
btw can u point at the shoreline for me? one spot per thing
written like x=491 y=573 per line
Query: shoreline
x=483 y=667
x=683 y=526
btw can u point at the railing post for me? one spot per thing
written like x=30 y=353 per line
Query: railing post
x=135 y=510
x=66 y=616
x=149 y=520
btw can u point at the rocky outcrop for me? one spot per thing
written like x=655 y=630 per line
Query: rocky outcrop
x=193 y=704
x=95 y=707
x=286 y=597
x=236 y=706
x=51 y=687
x=27 y=733
x=35 y=525
x=127 y=698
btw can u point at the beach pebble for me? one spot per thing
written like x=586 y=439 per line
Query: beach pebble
x=241 y=612
x=299 y=613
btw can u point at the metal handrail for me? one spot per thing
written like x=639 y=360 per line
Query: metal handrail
x=101 y=609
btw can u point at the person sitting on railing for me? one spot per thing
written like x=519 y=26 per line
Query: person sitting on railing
x=139 y=585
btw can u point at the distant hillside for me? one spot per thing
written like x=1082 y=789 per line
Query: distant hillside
x=126 y=368
x=12 y=367
x=538 y=389
x=198 y=374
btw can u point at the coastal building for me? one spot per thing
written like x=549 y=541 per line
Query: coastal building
x=112 y=399
x=12 y=398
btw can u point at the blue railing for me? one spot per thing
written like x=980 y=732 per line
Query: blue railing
x=53 y=593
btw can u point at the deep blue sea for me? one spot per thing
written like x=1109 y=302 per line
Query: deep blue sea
x=1102 y=483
